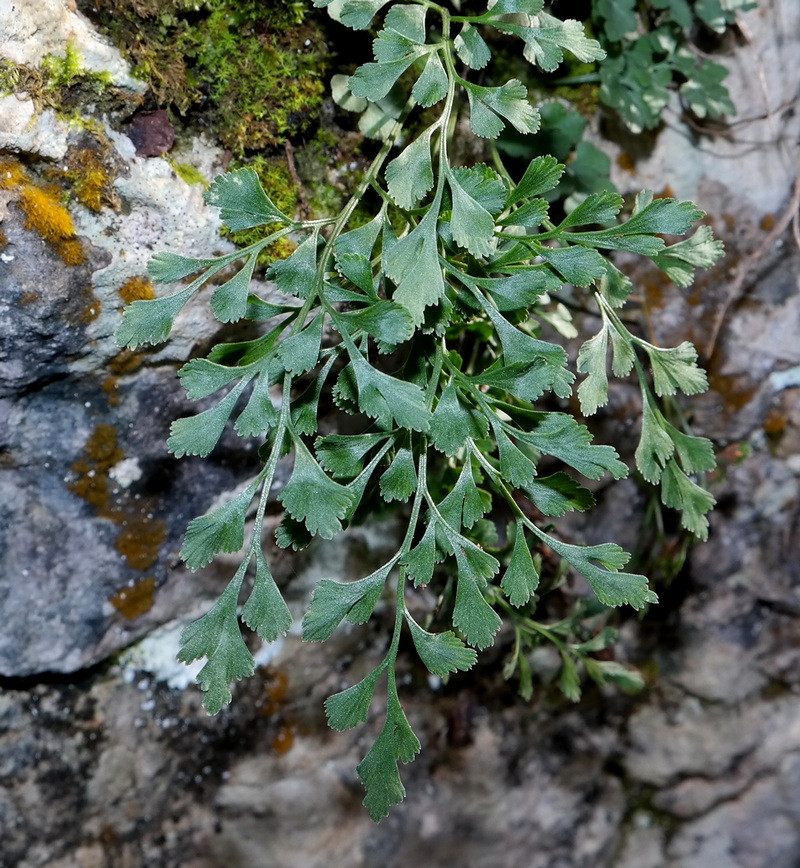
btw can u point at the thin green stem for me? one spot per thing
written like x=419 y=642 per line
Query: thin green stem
x=433 y=381
x=268 y=473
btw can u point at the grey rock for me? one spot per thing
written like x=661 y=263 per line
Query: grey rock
x=759 y=828
x=33 y=29
x=46 y=308
x=23 y=129
x=73 y=531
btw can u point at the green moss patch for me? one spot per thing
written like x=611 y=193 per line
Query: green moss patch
x=256 y=69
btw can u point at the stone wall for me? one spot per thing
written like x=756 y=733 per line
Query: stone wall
x=107 y=759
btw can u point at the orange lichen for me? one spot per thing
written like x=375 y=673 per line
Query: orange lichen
x=29 y=297
x=626 y=163
x=140 y=537
x=71 y=251
x=275 y=689
x=111 y=388
x=12 y=175
x=102 y=446
x=102 y=453
x=140 y=540
x=136 y=289
x=93 y=307
x=133 y=602
x=3 y=239
x=283 y=740
x=767 y=222
x=125 y=362
x=736 y=390
x=775 y=422
x=90 y=486
x=45 y=213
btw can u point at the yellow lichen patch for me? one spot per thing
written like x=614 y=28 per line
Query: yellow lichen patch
x=89 y=175
x=136 y=289
x=133 y=602
x=71 y=251
x=139 y=541
x=45 y=213
x=12 y=175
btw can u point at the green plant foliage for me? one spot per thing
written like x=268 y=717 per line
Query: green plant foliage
x=424 y=325
x=650 y=54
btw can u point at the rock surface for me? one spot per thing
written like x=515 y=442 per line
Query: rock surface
x=108 y=761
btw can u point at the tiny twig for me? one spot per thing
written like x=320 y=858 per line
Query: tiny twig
x=305 y=210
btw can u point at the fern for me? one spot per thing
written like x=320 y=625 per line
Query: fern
x=455 y=257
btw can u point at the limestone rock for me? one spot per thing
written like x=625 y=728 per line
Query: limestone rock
x=33 y=29
x=25 y=130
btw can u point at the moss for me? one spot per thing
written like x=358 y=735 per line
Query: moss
x=585 y=97
x=329 y=189
x=89 y=176
x=9 y=76
x=60 y=82
x=136 y=289
x=262 y=71
x=188 y=173
x=258 y=68
x=62 y=71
